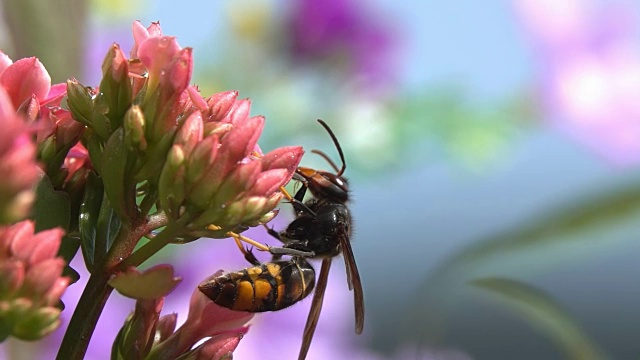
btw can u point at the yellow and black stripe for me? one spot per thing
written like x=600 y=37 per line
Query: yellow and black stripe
x=270 y=286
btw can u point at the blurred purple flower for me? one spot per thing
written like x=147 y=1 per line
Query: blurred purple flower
x=589 y=58
x=345 y=33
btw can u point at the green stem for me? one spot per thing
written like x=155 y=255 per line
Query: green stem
x=147 y=202
x=85 y=317
x=165 y=237
x=94 y=297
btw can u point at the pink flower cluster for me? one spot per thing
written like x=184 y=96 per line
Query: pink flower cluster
x=213 y=166
x=31 y=281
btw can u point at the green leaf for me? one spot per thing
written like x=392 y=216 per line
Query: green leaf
x=574 y=222
x=581 y=224
x=113 y=172
x=108 y=226
x=89 y=213
x=52 y=209
x=95 y=147
x=153 y=283
x=117 y=349
x=543 y=313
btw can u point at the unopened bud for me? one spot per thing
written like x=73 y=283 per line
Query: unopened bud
x=134 y=125
x=171 y=184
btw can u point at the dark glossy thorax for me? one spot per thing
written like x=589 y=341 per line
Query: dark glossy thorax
x=322 y=233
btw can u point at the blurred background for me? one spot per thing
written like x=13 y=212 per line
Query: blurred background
x=492 y=148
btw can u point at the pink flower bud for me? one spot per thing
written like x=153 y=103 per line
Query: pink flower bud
x=239 y=143
x=157 y=53
x=166 y=326
x=18 y=168
x=191 y=132
x=116 y=64
x=286 y=157
x=205 y=319
x=269 y=181
x=134 y=125
x=12 y=273
x=31 y=280
x=239 y=112
x=140 y=34
x=196 y=99
x=42 y=276
x=220 y=104
x=218 y=347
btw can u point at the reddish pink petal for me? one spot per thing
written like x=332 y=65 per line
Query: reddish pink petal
x=239 y=112
x=209 y=317
x=7 y=110
x=201 y=158
x=19 y=158
x=24 y=78
x=198 y=302
x=242 y=139
x=196 y=99
x=239 y=180
x=68 y=130
x=42 y=276
x=154 y=29
x=217 y=319
x=56 y=94
x=12 y=273
x=21 y=238
x=190 y=133
x=140 y=34
x=269 y=181
x=30 y=109
x=219 y=347
x=180 y=71
x=157 y=53
x=5 y=61
x=287 y=157
x=56 y=290
x=116 y=64
x=220 y=104
x=166 y=326
x=48 y=242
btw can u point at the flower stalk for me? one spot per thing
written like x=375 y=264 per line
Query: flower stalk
x=168 y=159
x=143 y=152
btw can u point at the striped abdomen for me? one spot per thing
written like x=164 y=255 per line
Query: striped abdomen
x=269 y=287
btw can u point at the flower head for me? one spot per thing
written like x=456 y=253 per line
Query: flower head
x=31 y=283
x=200 y=153
x=28 y=86
x=18 y=168
x=215 y=170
